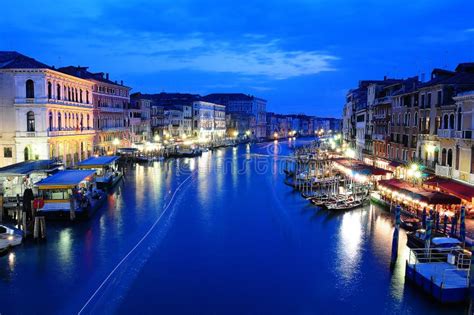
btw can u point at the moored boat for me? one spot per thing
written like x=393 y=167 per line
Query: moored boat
x=70 y=194
x=107 y=173
x=9 y=237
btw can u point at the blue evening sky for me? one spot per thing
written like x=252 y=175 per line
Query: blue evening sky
x=301 y=55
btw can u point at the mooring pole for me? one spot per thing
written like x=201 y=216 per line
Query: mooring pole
x=395 y=238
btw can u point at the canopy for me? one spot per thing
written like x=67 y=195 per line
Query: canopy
x=99 y=161
x=65 y=179
x=456 y=188
x=420 y=194
x=361 y=168
x=27 y=167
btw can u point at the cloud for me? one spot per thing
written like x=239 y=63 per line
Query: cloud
x=251 y=55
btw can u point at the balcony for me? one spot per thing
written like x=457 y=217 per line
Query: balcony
x=44 y=101
x=445 y=171
x=73 y=132
x=446 y=133
x=107 y=109
x=383 y=100
x=30 y=134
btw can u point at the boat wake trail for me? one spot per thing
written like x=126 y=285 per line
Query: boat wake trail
x=134 y=248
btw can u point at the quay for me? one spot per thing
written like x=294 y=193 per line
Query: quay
x=329 y=177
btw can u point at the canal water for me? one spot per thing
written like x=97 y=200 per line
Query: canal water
x=218 y=234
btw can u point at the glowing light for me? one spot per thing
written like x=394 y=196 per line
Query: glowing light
x=248 y=132
x=116 y=142
x=236 y=133
x=156 y=138
x=350 y=153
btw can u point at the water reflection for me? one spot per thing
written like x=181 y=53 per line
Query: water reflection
x=349 y=248
x=11 y=261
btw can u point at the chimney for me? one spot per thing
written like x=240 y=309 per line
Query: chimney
x=107 y=75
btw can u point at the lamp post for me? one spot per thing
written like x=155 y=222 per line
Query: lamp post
x=116 y=142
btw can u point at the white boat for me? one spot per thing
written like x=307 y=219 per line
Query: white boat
x=9 y=237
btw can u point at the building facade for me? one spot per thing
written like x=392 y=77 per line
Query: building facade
x=110 y=100
x=45 y=114
x=244 y=104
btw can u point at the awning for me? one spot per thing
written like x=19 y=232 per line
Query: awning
x=395 y=164
x=361 y=168
x=99 y=161
x=27 y=167
x=65 y=179
x=451 y=186
x=420 y=194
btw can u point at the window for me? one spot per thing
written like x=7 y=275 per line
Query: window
x=87 y=97
x=50 y=117
x=439 y=98
x=30 y=89
x=423 y=100
x=472 y=160
x=415 y=119
x=459 y=119
x=59 y=121
x=50 y=90
x=80 y=96
x=429 y=99
x=451 y=121
x=457 y=157
x=30 y=121
x=450 y=158
x=58 y=92
x=7 y=152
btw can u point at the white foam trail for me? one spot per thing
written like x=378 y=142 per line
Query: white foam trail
x=136 y=245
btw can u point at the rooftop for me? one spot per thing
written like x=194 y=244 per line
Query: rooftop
x=15 y=60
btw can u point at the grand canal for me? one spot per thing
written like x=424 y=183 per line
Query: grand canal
x=218 y=234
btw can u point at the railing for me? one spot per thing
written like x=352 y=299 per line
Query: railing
x=58 y=133
x=460 y=262
x=45 y=100
x=446 y=133
x=445 y=171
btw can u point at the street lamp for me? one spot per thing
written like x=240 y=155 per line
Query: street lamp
x=156 y=138
x=248 y=133
x=275 y=135
x=116 y=142
x=236 y=134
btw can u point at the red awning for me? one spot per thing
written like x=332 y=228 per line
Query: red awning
x=428 y=196
x=447 y=185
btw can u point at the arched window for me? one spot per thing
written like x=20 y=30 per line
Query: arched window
x=65 y=93
x=450 y=158
x=77 y=97
x=87 y=97
x=58 y=92
x=415 y=119
x=50 y=90
x=26 y=154
x=50 y=118
x=445 y=122
x=30 y=89
x=443 y=157
x=451 y=121
x=59 y=121
x=82 y=121
x=408 y=119
x=459 y=119
x=30 y=121
x=88 y=122
x=77 y=121
x=68 y=93
x=80 y=96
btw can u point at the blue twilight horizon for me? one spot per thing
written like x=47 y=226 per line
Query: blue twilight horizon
x=302 y=56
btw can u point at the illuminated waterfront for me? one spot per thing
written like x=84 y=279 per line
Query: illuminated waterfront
x=233 y=239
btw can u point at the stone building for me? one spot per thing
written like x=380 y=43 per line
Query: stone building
x=44 y=113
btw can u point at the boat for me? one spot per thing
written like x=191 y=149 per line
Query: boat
x=107 y=174
x=416 y=239
x=70 y=194
x=344 y=205
x=9 y=237
x=410 y=223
